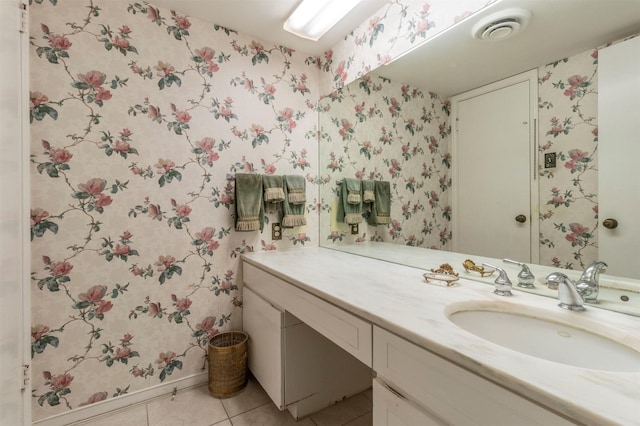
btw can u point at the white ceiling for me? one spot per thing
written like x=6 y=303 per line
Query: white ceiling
x=452 y=62
x=263 y=19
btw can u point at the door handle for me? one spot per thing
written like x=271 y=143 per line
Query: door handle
x=610 y=223
x=521 y=218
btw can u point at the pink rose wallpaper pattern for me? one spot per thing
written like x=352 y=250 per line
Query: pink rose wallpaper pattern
x=138 y=115
x=378 y=129
x=568 y=111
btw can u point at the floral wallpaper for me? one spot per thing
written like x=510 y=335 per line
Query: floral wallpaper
x=140 y=116
x=382 y=130
x=567 y=116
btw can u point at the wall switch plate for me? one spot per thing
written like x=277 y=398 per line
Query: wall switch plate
x=549 y=160
x=276 y=231
x=354 y=229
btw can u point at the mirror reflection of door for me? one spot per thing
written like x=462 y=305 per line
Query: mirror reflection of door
x=618 y=153
x=493 y=167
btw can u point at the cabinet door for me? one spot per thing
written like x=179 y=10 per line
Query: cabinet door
x=451 y=392
x=390 y=409
x=263 y=323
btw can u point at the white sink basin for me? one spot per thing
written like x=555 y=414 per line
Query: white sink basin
x=541 y=335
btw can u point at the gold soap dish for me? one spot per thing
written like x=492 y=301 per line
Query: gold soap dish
x=445 y=269
x=470 y=266
x=444 y=276
x=443 y=280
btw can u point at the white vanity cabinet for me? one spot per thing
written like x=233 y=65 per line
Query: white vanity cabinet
x=300 y=369
x=321 y=323
x=415 y=386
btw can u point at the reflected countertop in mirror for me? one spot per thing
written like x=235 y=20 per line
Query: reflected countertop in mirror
x=616 y=293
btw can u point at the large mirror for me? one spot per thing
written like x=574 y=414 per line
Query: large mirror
x=395 y=125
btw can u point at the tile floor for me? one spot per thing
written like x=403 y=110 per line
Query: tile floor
x=249 y=407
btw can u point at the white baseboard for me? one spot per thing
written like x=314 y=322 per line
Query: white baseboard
x=138 y=397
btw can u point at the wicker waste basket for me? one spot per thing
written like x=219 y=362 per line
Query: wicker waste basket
x=227 y=363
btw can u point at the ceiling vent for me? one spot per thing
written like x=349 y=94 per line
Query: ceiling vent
x=501 y=25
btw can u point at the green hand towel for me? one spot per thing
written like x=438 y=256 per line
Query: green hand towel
x=295 y=186
x=249 y=205
x=368 y=191
x=292 y=213
x=353 y=188
x=347 y=212
x=381 y=207
x=273 y=188
x=339 y=207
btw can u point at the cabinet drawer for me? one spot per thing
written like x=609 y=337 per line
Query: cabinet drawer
x=345 y=330
x=451 y=392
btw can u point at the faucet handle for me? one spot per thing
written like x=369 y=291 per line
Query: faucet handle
x=525 y=277
x=502 y=283
x=568 y=295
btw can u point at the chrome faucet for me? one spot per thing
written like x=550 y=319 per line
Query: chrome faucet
x=588 y=284
x=569 y=296
x=502 y=283
x=525 y=277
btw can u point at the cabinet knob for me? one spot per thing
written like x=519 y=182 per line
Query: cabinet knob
x=521 y=218
x=610 y=223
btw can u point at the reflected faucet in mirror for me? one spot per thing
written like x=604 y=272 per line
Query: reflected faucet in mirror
x=588 y=284
x=525 y=277
x=502 y=283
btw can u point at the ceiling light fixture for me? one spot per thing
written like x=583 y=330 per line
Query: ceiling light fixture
x=313 y=18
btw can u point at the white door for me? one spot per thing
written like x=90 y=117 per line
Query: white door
x=14 y=212
x=618 y=153
x=494 y=212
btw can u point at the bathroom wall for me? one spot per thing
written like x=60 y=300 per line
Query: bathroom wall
x=137 y=117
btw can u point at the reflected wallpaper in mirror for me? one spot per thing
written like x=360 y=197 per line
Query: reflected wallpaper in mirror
x=384 y=130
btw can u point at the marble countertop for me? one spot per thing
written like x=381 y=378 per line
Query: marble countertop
x=396 y=297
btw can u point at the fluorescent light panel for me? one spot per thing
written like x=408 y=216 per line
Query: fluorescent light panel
x=313 y=18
